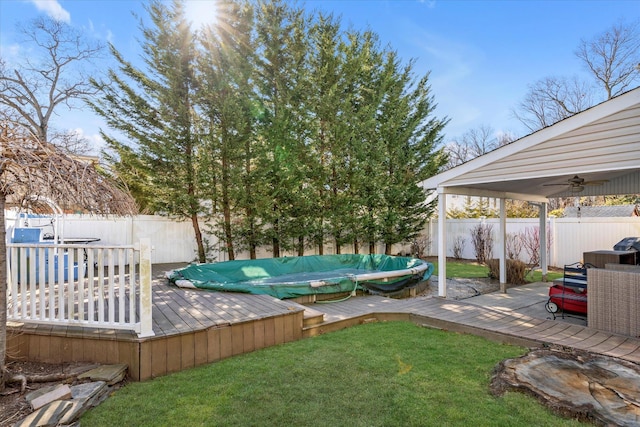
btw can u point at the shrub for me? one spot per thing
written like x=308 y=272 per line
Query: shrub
x=419 y=246
x=458 y=247
x=515 y=270
x=514 y=245
x=482 y=239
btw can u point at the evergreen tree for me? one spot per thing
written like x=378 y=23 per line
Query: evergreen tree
x=226 y=100
x=153 y=108
x=328 y=128
x=357 y=162
x=282 y=69
x=409 y=135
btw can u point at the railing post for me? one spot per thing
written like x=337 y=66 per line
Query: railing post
x=146 y=324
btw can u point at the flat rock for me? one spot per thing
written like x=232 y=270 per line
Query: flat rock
x=47 y=416
x=576 y=383
x=58 y=392
x=111 y=374
x=85 y=391
x=74 y=412
x=39 y=392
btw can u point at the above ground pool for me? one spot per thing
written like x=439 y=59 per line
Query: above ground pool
x=291 y=277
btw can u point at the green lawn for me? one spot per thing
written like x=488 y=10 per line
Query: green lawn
x=473 y=270
x=378 y=374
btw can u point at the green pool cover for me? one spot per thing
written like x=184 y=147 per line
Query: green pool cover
x=291 y=277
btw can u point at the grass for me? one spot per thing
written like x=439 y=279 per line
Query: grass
x=473 y=270
x=378 y=374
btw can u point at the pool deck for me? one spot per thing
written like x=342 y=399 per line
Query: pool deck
x=193 y=327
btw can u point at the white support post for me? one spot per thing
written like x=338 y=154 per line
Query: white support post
x=503 y=246
x=442 y=245
x=544 y=259
x=146 y=324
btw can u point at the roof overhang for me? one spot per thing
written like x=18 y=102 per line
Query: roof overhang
x=600 y=145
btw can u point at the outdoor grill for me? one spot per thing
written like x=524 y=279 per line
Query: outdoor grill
x=629 y=244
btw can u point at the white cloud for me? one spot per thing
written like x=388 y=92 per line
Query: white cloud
x=53 y=9
x=95 y=142
x=9 y=50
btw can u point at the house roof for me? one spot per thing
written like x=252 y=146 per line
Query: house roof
x=600 y=145
x=601 y=211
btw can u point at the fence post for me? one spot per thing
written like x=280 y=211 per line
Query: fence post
x=146 y=323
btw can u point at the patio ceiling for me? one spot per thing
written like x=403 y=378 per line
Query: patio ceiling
x=601 y=144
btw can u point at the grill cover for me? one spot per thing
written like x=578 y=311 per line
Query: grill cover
x=628 y=244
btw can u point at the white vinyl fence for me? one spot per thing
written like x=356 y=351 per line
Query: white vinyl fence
x=84 y=285
x=569 y=238
x=174 y=241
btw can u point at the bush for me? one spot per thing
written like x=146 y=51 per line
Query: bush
x=458 y=247
x=515 y=270
x=482 y=240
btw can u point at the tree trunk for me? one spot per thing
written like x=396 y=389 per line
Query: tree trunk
x=228 y=238
x=226 y=203
x=196 y=228
x=275 y=242
x=3 y=293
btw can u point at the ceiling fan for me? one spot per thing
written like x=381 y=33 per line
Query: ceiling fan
x=577 y=184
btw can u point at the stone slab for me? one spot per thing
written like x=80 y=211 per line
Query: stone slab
x=87 y=390
x=74 y=412
x=59 y=392
x=111 y=374
x=39 y=392
x=47 y=416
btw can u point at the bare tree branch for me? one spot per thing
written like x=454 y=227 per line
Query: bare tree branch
x=49 y=78
x=552 y=99
x=29 y=167
x=613 y=57
x=474 y=143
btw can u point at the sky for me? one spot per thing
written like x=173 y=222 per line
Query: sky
x=481 y=56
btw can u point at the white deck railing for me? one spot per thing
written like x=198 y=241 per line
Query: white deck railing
x=84 y=285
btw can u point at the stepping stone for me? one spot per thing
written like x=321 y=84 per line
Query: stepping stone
x=84 y=392
x=77 y=370
x=39 y=392
x=73 y=413
x=59 y=392
x=48 y=416
x=111 y=374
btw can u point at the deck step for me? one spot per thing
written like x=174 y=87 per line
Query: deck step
x=312 y=317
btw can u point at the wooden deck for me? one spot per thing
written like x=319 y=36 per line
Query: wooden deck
x=194 y=327
x=191 y=327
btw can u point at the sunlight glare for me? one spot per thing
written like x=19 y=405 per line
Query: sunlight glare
x=201 y=12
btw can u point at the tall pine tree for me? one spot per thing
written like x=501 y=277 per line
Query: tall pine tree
x=153 y=111
x=226 y=98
